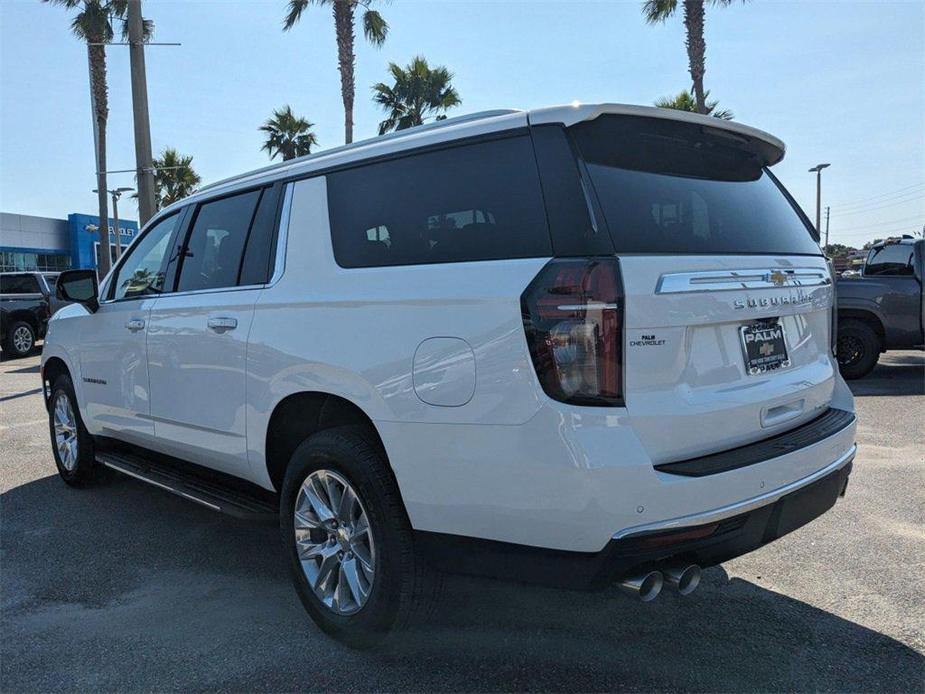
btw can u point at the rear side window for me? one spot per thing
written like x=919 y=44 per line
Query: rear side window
x=668 y=187
x=215 y=245
x=19 y=284
x=470 y=202
x=895 y=259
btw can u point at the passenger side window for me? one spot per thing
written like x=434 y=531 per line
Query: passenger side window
x=469 y=202
x=142 y=272
x=215 y=245
x=895 y=259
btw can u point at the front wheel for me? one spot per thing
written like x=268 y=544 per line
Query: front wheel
x=858 y=348
x=71 y=443
x=349 y=539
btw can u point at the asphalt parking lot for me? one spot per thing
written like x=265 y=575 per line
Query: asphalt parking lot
x=124 y=587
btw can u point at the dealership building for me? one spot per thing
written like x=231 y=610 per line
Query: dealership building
x=47 y=244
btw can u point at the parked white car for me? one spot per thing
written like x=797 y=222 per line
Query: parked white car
x=579 y=345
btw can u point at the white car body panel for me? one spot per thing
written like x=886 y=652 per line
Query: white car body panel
x=197 y=376
x=436 y=357
x=114 y=371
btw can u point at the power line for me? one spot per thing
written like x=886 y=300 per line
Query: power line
x=881 y=233
x=883 y=223
x=898 y=192
x=885 y=204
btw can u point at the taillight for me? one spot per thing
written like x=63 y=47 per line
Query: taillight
x=573 y=318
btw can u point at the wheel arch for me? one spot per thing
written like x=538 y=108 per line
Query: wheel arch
x=864 y=316
x=301 y=414
x=51 y=370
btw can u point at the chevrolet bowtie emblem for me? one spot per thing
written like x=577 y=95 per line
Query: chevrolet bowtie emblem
x=778 y=278
x=766 y=349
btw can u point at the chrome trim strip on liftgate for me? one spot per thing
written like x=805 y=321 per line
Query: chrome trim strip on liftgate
x=738 y=507
x=713 y=280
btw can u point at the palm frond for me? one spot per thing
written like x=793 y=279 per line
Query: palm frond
x=658 y=10
x=418 y=92
x=294 y=13
x=375 y=28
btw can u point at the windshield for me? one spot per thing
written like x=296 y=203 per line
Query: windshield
x=668 y=187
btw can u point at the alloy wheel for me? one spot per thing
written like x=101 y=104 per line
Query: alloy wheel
x=22 y=339
x=65 y=432
x=334 y=542
x=850 y=350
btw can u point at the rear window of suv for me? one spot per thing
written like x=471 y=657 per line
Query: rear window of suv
x=669 y=187
x=468 y=202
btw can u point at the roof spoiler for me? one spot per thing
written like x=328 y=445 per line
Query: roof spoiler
x=767 y=147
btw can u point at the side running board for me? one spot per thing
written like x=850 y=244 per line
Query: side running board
x=205 y=492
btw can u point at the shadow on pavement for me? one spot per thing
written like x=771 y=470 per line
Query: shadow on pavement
x=122 y=587
x=899 y=374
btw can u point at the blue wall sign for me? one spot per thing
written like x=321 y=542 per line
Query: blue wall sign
x=83 y=230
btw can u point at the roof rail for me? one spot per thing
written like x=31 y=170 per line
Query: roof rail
x=398 y=134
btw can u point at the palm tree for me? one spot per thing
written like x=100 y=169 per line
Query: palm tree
x=174 y=177
x=375 y=29
x=684 y=101
x=661 y=10
x=288 y=135
x=93 y=24
x=419 y=92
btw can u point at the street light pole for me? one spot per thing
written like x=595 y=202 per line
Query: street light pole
x=116 y=194
x=818 y=171
x=143 y=158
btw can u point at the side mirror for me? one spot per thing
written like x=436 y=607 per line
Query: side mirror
x=78 y=286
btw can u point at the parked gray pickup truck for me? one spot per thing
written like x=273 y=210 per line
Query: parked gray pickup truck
x=883 y=308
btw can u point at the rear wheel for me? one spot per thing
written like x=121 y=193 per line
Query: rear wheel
x=71 y=443
x=20 y=339
x=858 y=348
x=349 y=539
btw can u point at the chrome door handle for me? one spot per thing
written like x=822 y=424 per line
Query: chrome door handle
x=220 y=325
x=135 y=324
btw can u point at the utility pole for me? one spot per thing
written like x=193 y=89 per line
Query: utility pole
x=817 y=169
x=827 y=211
x=143 y=159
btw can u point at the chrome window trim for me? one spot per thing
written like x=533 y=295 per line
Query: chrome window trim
x=758 y=278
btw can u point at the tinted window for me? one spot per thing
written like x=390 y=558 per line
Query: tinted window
x=19 y=284
x=142 y=273
x=215 y=244
x=261 y=240
x=895 y=259
x=573 y=219
x=678 y=188
x=471 y=202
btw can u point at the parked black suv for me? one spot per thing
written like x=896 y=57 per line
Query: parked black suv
x=27 y=300
x=883 y=308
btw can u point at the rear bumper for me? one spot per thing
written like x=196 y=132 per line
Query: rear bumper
x=706 y=539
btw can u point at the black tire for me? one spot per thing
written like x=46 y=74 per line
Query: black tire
x=403 y=588
x=20 y=339
x=858 y=348
x=80 y=469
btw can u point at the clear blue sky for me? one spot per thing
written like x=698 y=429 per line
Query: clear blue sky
x=840 y=82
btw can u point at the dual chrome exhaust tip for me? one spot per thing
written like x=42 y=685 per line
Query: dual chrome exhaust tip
x=646 y=586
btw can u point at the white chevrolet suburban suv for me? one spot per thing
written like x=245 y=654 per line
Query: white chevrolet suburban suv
x=581 y=345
